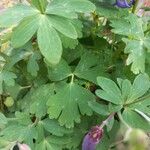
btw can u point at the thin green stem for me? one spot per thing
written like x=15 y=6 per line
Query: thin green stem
x=135 y=7
x=105 y=122
x=35 y=122
x=26 y=87
x=72 y=78
x=122 y=120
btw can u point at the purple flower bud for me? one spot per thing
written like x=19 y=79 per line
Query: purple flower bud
x=23 y=147
x=124 y=3
x=92 y=138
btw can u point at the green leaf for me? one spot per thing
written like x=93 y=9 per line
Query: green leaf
x=132 y=26
x=142 y=105
x=32 y=66
x=136 y=56
x=114 y=108
x=110 y=92
x=89 y=67
x=53 y=127
x=147 y=43
x=126 y=88
x=56 y=8
x=140 y=86
x=49 y=41
x=121 y=26
x=68 y=42
x=64 y=26
x=23 y=118
x=39 y=99
x=111 y=12
x=78 y=26
x=4 y=143
x=40 y=4
x=17 y=132
x=25 y=30
x=52 y=143
x=3 y=120
x=67 y=102
x=15 y=56
x=40 y=130
x=68 y=8
x=7 y=78
x=135 y=120
x=15 y=14
x=13 y=90
x=83 y=6
x=60 y=71
x=145 y=116
x=129 y=26
x=99 y=108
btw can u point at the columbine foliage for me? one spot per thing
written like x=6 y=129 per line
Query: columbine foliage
x=65 y=66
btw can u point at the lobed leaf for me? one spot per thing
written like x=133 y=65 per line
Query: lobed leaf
x=67 y=103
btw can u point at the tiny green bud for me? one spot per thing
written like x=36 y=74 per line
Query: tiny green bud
x=137 y=140
x=9 y=102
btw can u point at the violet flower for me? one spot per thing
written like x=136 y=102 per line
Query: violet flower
x=92 y=138
x=124 y=3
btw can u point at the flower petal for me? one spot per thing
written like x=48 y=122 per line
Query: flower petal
x=124 y=3
x=92 y=138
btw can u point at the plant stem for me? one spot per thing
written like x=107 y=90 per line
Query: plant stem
x=26 y=87
x=122 y=120
x=72 y=78
x=35 y=122
x=107 y=120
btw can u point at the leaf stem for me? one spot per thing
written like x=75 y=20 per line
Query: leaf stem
x=26 y=87
x=72 y=78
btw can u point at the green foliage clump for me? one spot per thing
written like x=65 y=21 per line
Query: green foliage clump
x=65 y=65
